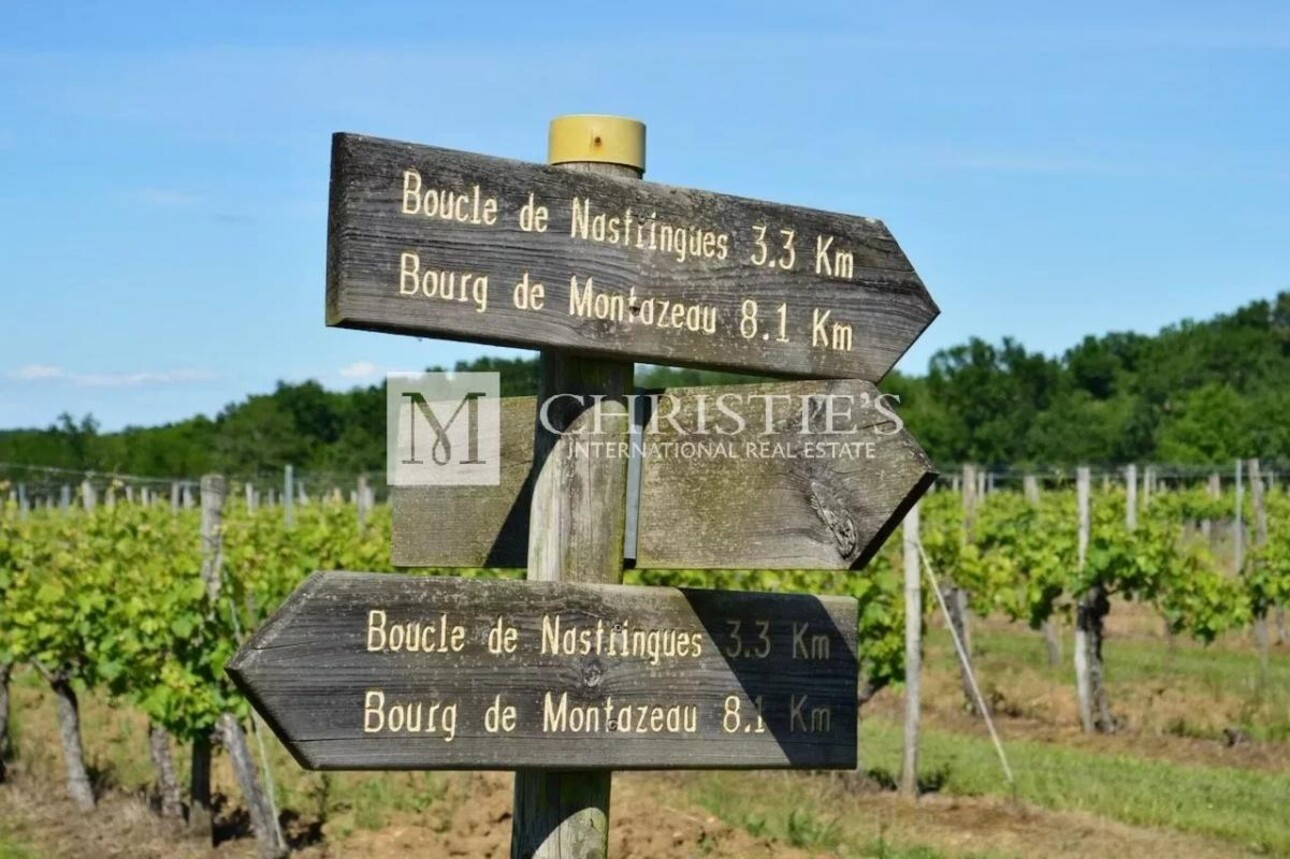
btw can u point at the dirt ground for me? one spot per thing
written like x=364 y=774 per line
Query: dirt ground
x=645 y=825
x=650 y=820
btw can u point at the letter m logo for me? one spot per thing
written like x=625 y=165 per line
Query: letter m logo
x=443 y=429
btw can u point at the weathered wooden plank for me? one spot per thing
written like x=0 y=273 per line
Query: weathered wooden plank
x=472 y=526
x=627 y=270
x=777 y=500
x=598 y=676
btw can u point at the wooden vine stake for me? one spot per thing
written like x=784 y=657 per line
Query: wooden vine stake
x=1083 y=681
x=213 y=491
x=1053 y=644
x=1262 y=637
x=956 y=595
x=913 y=652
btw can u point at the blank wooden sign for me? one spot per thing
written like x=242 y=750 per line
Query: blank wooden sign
x=371 y=671
x=440 y=243
x=781 y=499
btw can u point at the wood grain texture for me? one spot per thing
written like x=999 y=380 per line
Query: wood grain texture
x=769 y=511
x=578 y=509
x=308 y=671
x=871 y=287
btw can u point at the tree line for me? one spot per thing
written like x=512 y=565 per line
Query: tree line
x=1199 y=393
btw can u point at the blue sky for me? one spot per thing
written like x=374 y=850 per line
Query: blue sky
x=1052 y=170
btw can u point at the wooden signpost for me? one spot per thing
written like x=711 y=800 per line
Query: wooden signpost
x=750 y=499
x=450 y=244
x=371 y=671
x=570 y=674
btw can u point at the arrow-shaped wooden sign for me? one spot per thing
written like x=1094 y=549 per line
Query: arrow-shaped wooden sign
x=792 y=475
x=372 y=671
x=434 y=242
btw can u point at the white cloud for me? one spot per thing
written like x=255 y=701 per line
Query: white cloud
x=44 y=373
x=167 y=197
x=35 y=372
x=360 y=370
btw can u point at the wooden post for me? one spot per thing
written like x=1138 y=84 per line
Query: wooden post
x=1238 y=525
x=362 y=499
x=1030 y=488
x=957 y=596
x=913 y=653
x=213 y=491
x=289 y=495
x=1053 y=644
x=1083 y=688
x=1283 y=630
x=578 y=515
x=1214 y=489
x=1131 y=497
x=1262 y=638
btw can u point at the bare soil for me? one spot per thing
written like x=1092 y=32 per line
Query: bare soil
x=478 y=824
x=650 y=820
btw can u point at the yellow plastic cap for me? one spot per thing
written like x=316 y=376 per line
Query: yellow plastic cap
x=591 y=137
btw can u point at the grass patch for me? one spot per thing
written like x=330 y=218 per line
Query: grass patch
x=14 y=851
x=11 y=848
x=766 y=810
x=1242 y=806
x=1255 y=702
x=1218 y=667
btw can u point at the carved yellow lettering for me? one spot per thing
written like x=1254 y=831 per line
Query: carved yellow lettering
x=375 y=630
x=409 y=269
x=411 y=192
